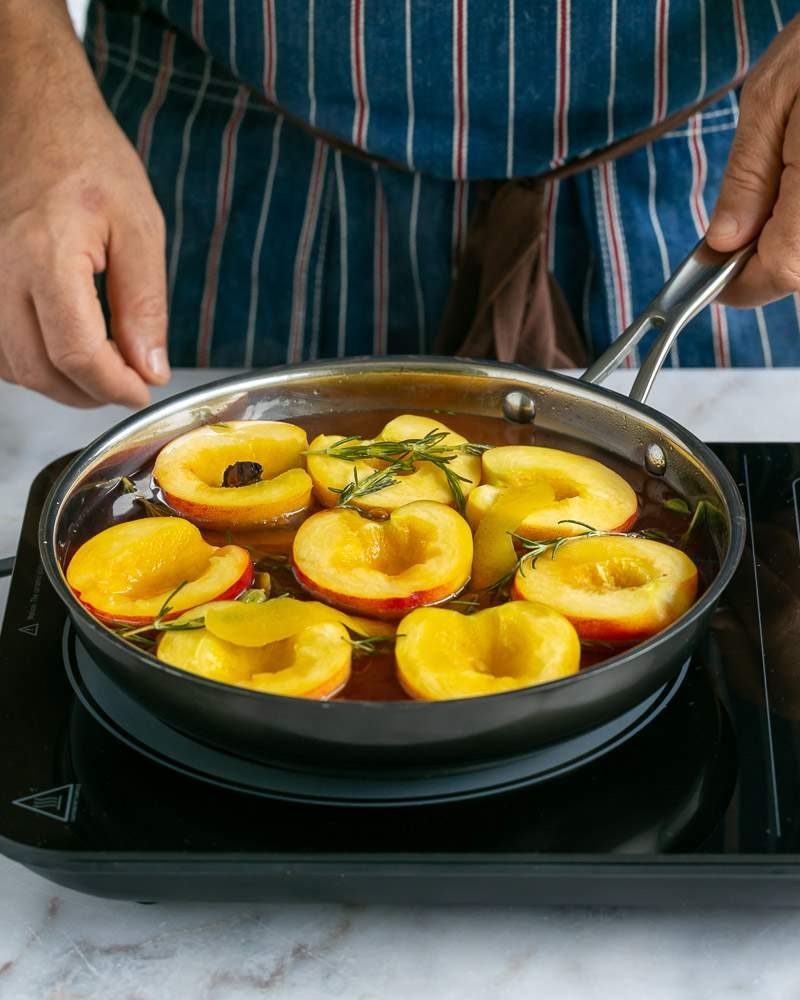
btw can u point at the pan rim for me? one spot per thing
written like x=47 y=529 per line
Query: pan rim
x=430 y=364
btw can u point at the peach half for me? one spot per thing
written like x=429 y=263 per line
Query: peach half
x=426 y=482
x=277 y=619
x=312 y=663
x=420 y=555
x=443 y=654
x=613 y=589
x=583 y=490
x=263 y=458
x=128 y=572
x=495 y=554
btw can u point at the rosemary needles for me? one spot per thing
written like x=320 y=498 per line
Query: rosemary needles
x=159 y=624
x=532 y=549
x=400 y=458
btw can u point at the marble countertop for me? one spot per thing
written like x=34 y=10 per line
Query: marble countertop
x=59 y=945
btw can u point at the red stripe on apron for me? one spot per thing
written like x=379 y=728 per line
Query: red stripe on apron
x=742 y=43
x=719 y=321
x=224 y=195
x=460 y=108
x=619 y=265
x=270 y=54
x=660 y=82
x=145 y=134
x=302 y=257
x=359 y=73
x=381 y=271
x=197 y=21
x=562 y=82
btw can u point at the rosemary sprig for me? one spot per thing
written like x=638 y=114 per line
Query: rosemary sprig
x=159 y=624
x=154 y=508
x=454 y=481
x=705 y=513
x=400 y=457
x=410 y=449
x=151 y=507
x=371 y=644
x=655 y=535
x=146 y=642
x=166 y=607
x=374 y=483
x=463 y=604
x=534 y=548
x=677 y=505
x=256 y=595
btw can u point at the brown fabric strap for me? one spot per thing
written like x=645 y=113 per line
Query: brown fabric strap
x=504 y=302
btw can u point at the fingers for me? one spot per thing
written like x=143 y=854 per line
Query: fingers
x=74 y=333
x=751 y=179
x=774 y=271
x=24 y=360
x=137 y=293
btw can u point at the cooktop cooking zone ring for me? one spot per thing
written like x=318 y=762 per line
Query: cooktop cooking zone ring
x=139 y=729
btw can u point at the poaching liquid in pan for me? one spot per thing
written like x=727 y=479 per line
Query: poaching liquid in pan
x=373 y=673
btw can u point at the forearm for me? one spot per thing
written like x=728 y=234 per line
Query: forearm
x=27 y=22
x=39 y=45
x=46 y=86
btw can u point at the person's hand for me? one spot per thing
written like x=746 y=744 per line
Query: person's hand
x=74 y=201
x=760 y=191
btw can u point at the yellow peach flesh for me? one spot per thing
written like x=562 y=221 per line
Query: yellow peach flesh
x=128 y=571
x=312 y=663
x=276 y=619
x=613 y=588
x=442 y=654
x=190 y=470
x=421 y=555
x=495 y=555
x=584 y=491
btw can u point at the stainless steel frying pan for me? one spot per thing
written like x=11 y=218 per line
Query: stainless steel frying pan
x=268 y=727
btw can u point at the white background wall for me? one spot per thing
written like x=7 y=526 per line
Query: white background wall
x=78 y=10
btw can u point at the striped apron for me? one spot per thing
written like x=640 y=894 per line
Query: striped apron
x=283 y=248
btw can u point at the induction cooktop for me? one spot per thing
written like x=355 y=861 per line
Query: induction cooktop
x=693 y=798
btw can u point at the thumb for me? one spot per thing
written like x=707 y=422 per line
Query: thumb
x=752 y=176
x=137 y=293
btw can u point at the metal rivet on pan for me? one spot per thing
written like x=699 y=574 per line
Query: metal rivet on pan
x=519 y=407
x=655 y=460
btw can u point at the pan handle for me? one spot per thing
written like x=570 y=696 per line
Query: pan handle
x=696 y=282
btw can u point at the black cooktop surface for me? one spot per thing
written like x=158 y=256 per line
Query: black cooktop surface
x=696 y=800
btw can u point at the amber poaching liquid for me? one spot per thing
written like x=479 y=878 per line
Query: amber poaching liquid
x=373 y=676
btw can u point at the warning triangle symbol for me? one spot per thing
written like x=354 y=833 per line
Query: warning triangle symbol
x=55 y=803
x=32 y=629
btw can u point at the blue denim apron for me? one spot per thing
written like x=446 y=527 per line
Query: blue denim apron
x=283 y=248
